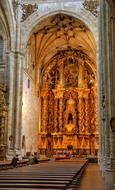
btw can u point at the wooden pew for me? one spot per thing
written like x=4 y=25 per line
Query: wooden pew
x=4 y=165
x=52 y=175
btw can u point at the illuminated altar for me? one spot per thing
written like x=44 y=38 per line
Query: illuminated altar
x=69 y=115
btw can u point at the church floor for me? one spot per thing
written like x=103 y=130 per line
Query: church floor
x=92 y=179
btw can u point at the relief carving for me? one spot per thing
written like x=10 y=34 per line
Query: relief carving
x=92 y=6
x=28 y=10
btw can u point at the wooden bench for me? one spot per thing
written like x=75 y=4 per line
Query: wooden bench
x=7 y=164
x=50 y=175
x=15 y=185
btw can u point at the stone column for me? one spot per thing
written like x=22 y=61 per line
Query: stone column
x=19 y=87
x=11 y=94
x=19 y=60
x=15 y=69
x=111 y=15
x=103 y=80
x=107 y=91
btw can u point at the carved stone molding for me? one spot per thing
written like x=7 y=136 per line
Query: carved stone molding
x=92 y=6
x=28 y=10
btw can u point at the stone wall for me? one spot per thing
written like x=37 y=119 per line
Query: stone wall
x=29 y=116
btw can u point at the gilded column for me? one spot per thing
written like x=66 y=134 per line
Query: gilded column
x=44 y=110
x=60 y=113
x=81 y=75
x=58 y=93
x=96 y=109
x=45 y=113
x=55 y=114
x=80 y=110
x=86 y=111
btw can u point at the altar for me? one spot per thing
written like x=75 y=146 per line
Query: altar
x=69 y=115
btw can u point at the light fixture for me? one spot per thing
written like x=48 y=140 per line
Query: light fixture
x=92 y=6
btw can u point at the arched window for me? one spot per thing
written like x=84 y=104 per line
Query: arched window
x=1 y=47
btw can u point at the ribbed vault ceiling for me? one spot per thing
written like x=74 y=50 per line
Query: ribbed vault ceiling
x=58 y=33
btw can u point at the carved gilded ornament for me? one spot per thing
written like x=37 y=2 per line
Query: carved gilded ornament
x=58 y=93
x=3 y=122
x=44 y=92
x=72 y=107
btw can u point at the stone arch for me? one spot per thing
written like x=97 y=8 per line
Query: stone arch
x=11 y=23
x=28 y=27
x=8 y=24
x=33 y=20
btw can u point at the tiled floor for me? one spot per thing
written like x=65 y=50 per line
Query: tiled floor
x=92 y=179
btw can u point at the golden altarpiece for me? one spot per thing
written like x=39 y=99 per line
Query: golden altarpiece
x=69 y=115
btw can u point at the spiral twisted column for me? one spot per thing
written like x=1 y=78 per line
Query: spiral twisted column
x=60 y=113
x=96 y=110
x=81 y=75
x=58 y=94
x=92 y=107
x=55 y=114
x=86 y=98
x=80 y=110
x=44 y=109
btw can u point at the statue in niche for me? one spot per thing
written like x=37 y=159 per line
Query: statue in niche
x=70 y=119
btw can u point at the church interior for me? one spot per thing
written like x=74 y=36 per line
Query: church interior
x=57 y=85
